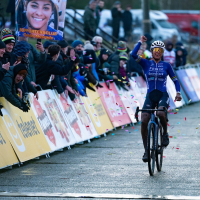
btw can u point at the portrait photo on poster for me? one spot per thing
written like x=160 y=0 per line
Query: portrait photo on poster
x=40 y=19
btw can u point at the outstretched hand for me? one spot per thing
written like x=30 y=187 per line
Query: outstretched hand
x=143 y=39
x=72 y=55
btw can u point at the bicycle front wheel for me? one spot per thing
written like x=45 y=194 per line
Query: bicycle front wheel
x=159 y=150
x=151 y=149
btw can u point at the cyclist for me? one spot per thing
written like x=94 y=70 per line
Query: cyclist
x=156 y=72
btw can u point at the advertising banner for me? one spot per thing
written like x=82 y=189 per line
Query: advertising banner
x=195 y=80
x=141 y=85
x=172 y=92
x=114 y=106
x=24 y=132
x=187 y=85
x=57 y=132
x=130 y=105
x=97 y=112
x=198 y=70
x=41 y=19
x=7 y=154
x=140 y=96
x=87 y=127
x=79 y=129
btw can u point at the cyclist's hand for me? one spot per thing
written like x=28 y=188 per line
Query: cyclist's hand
x=178 y=97
x=143 y=39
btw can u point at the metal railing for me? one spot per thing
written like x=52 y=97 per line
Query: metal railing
x=77 y=26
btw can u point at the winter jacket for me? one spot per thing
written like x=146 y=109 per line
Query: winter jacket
x=80 y=80
x=114 y=63
x=2 y=71
x=89 y=19
x=49 y=67
x=85 y=59
x=34 y=56
x=127 y=20
x=116 y=18
x=9 y=57
x=98 y=15
x=8 y=89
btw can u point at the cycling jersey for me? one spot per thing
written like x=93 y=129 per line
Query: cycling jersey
x=155 y=73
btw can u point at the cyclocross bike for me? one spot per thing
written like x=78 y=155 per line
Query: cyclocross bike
x=154 y=141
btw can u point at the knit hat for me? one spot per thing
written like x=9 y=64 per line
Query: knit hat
x=47 y=44
x=123 y=56
x=7 y=36
x=88 y=46
x=122 y=46
x=2 y=45
x=21 y=48
x=105 y=51
x=20 y=69
x=62 y=43
x=76 y=43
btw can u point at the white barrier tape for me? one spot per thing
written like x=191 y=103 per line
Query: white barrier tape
x=103 y=196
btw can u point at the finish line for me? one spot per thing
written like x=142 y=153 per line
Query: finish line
x=87 y=195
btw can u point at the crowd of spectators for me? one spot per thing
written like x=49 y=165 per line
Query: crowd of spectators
x=92 y=17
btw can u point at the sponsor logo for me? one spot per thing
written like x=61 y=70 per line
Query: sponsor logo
x=13 y=131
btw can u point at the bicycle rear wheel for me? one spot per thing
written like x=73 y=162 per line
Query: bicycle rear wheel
x=159 y=150
x=151 y=149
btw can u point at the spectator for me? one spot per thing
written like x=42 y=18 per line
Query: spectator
x=50 y=66
x=169 y=54
x=127 y=23
x=116 y=18
x=9 y=41
x=98 y=10
x=21 y=52
x=34 y=57
x=4 y=67
x=124 y=40
x=9 y=87
x=89 y=55
x=179 y=57
x=89 y=20
x=98 y=40
x=185 y=53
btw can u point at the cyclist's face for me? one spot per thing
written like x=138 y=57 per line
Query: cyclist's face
x=9 y=47
x=2 y=51
x=38 y=13
x=157 y=53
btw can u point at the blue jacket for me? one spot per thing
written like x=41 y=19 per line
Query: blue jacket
x=155 y=73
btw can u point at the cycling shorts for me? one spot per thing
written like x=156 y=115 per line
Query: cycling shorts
x=155 y=99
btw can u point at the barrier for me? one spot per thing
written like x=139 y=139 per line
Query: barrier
x=23 y=132
x=114 y=105
x=55 y=122
x=97 y=112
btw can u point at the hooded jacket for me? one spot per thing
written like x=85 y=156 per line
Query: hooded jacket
x=8 y=88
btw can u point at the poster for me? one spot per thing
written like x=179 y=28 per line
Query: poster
x=79 y=129
x=56 y=130
x=6 y=148
x=194 y=78
x=97 y=112
x=24 y=132
x=114 y=106
x=87 y=126
x=43 y=19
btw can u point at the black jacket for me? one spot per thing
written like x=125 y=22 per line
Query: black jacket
x=2 y=71
x=9 y=57
x=49 y=67
x=116 y=17
x=8 y=89
x=127 y=20
x=89 y=20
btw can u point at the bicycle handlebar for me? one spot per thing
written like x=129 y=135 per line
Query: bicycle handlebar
x=152 y=110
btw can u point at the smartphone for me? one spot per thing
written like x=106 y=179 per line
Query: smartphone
x=19 y=58
x=39 y=40
x=6 y=60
